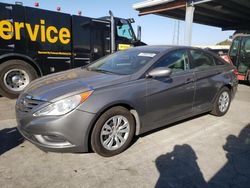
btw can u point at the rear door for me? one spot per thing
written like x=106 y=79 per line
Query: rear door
x=7 y=29
x=205 y=71
x=101 y=38
x=170 y=98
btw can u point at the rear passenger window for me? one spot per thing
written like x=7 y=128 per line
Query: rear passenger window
x=201 y=60
x=218 y=61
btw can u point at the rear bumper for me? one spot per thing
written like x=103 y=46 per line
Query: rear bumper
x=67 y=133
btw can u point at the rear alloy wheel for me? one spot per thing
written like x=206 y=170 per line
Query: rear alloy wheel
x=222 y=102
x=113 y=132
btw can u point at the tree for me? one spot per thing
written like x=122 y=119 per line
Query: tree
x=225 y=42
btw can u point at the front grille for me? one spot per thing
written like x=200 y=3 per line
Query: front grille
x=26 y=104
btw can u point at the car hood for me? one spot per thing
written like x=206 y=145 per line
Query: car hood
x=71 y=82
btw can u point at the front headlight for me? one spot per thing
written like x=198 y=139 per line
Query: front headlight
x=63 y=106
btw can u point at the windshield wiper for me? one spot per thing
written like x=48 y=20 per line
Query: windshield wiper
x=101 y=70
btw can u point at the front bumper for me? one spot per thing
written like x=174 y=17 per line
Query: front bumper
x=67 y=133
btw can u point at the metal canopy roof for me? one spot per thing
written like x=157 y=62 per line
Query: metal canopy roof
x=226 y=14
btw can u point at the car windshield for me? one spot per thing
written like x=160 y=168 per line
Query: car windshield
x=123 y=63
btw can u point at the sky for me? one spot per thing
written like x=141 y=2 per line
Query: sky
x=155 y=29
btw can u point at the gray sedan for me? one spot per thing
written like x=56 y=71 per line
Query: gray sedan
x=101 y=107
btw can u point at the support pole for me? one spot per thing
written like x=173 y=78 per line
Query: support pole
x=112 y=20
x=188 y=24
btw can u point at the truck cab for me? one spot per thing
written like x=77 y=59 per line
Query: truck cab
x=239 y=54
x=124 y=35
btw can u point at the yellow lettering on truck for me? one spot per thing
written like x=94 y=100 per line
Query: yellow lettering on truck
x=18 y=27
x=49 y=33
x=64 y=35
x=42 y=22
x=32 y=33
x=6 y=30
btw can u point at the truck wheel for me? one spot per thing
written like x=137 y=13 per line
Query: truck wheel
x=15 y=75
x=222 y=102
x=113 y=132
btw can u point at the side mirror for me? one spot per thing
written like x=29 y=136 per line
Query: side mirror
x=159 y=72
x=138 y=33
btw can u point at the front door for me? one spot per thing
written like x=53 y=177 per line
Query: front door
x=170 y=98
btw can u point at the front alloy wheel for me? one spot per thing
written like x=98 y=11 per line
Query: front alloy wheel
x=113 y=132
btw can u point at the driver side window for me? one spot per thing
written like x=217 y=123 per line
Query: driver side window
x=177 y=61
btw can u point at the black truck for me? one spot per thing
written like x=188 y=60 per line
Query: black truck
x=36 y=42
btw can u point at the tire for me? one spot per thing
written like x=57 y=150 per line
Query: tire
x=105 y=125
x=248 y=79
x=15 y=75
x=222 y=102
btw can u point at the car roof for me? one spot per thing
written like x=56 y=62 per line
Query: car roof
x=162 y=48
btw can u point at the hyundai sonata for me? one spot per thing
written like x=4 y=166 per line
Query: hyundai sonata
x=104 y=105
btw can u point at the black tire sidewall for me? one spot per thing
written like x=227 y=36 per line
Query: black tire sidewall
x=248 y=78
x=95 y=136
x=14 y=64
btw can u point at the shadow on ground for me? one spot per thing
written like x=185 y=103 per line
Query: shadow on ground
x=9 y=138
x=180 y=169
x=243 y=82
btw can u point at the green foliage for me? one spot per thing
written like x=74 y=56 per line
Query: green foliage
x=225 y=42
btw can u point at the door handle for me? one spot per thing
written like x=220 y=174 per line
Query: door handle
x=189 y=80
